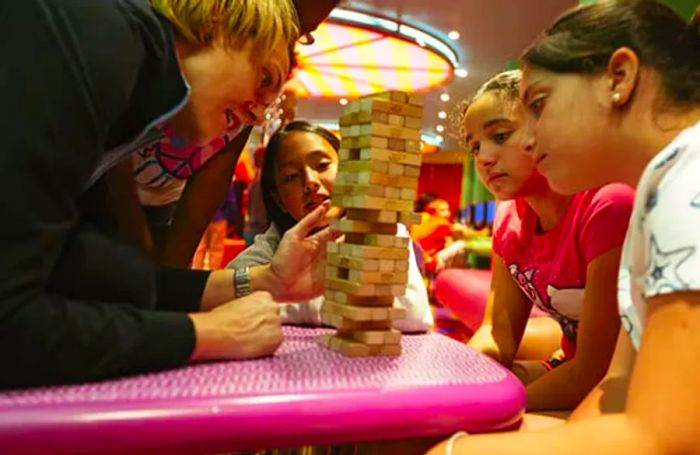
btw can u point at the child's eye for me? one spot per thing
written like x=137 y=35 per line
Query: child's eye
x=265 y=79
x=501 y=137
x=290 y=177
x=536 y=106
x=323 y=165
x=474 y=148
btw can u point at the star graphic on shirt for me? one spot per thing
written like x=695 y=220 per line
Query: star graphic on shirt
x=651 y=202
x=662 y=273
x=670 y=157
x=696 y=201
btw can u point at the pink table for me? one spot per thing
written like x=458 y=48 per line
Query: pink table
x=303 y=395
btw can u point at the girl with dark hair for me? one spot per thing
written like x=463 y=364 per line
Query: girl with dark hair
x=557 y=252
x=298 y=174
x=613 y=91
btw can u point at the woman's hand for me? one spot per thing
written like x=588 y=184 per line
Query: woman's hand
x=244 y=328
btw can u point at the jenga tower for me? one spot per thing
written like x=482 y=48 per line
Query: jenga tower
x=376 y=183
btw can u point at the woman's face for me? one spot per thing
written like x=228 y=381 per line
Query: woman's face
x=576 y=142
x=305 y=173
x=500 y=142
x=230 y=87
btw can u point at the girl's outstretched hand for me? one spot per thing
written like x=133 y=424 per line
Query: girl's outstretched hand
x=298 y=267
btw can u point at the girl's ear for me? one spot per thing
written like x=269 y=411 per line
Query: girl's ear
x=623 y=74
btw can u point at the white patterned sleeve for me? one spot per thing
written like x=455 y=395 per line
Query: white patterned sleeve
x=672 y=225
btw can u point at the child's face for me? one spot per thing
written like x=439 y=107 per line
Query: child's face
x=570 y=118
x=498 y=139
x=305 y=173
x=229 y=87
x=443 y=210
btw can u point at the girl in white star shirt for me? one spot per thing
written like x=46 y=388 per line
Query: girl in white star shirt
x=613 y=90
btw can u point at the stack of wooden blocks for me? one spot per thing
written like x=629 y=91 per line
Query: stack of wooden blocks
x=377 y=179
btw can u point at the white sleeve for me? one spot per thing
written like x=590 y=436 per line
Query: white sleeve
x=673 y=229
x=419 y=318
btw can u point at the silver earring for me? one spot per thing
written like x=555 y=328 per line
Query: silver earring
x=616 y=98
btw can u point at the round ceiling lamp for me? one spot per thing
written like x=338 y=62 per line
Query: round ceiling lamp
x=355 y=54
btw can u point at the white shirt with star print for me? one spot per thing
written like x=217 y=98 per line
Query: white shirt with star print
x=661 y=254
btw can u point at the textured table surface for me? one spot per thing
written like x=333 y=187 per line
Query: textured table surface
x=303 y=395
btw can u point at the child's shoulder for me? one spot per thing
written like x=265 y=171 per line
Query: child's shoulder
x=612 y=193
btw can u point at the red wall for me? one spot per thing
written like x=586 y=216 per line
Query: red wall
x=445 y=180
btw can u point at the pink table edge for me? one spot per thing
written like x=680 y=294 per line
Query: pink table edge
x=224 y=424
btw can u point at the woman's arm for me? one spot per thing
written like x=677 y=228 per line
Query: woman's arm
x=505 y=318
x=565 y=386
x=204 y=193
x=295 y=273
x=663 y=411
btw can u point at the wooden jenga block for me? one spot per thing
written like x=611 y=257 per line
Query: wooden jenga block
x=371 y=203
x=364 y=313
x=380 y=105
x=333 y=295
x=410 y=159
x=346 y=347
x=343 y=189
x=388 y=350
x=373 y=337
x=342 y=323
x=395 y=169
x=364 y=289
x=416 y=100
x=389 y=265
x=410 y=171
x=352 y=107
x=390 y=95
x=377 y=178
x=347 y=262
x=367 y=313
x=348 y=225
x=373 y=252
x=378 y=277
x=407 y=194
x=397 y=120
x=354 y=313
x=413 y=123
x=356 y=118
x=390 y=156
x=360 y=142
x=360 y=166
x=372 y=216
x=391 y=192
x=403 y=145
x=411 y=146
x=409 y=218
x=379 y=130
x=372 y=239
x=351 y=348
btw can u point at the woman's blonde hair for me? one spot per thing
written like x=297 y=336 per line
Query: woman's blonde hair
x=505 y=85
x=266 y=22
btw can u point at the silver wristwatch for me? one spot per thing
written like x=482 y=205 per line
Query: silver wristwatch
x=241 y=282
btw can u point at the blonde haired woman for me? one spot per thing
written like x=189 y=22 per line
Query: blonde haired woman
x=90 y=82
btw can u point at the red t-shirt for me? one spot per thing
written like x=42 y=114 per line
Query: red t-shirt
x=550 y=267
x=432 y=234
